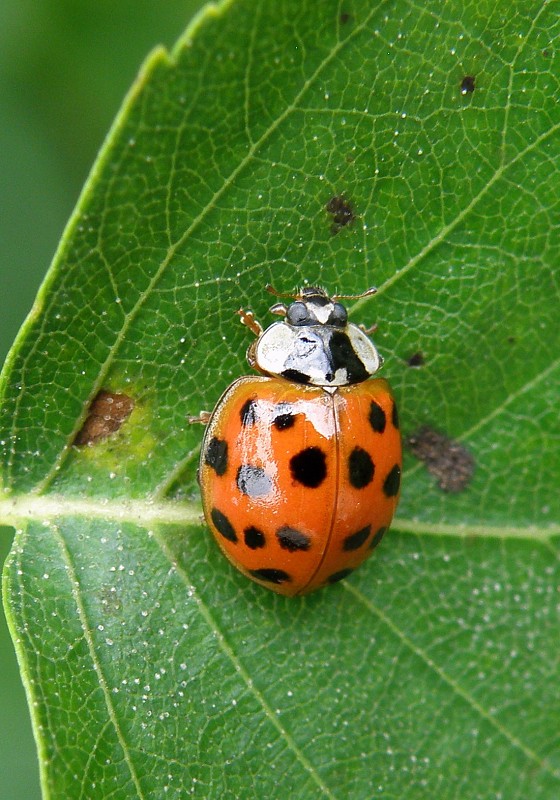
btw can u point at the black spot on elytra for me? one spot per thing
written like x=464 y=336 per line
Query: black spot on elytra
x=270 y=575
x=338 y=576
x=446 y=459
x=341 y=211
x=254 y=538
x=253 y=481
x=284 y=421
x=395 y=416
x=216 y=455
x=416 y=360
x=356 y=540
x=343 y=355
x=309 y=467
x=248 y=413
x=377 y=418
x=468 y=84
x=283 y=417
x=292 y=539
x=377 y=538
x=295 y=375
x=360 y=468
x=392 y=482
x=223 y=525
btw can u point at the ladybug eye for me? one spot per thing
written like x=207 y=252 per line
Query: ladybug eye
x=338 y=316
x=298 y=314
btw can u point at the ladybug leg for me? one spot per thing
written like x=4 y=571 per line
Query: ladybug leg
x=251 y=355
x=248 y=319
x=203 y=418
x=370 y=330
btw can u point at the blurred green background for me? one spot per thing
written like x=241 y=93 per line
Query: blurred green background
x=65 y=66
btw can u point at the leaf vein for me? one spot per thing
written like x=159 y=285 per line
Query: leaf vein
x=241 y=670
x=75 y=591
x=530 y=754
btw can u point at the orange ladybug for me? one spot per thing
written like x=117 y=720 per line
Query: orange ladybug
x=300 y=470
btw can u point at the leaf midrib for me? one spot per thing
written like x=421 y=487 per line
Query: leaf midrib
x=16 y=508
x=19 y=509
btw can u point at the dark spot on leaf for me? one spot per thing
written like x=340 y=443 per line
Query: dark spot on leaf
x=416 y=360
x=446 y=459
x=344 y=18
x=110 y=601
x=468 y=84
x=342 y=213
x=106 y=414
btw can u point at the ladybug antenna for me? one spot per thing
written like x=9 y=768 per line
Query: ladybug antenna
x=367 y=293
x=301 y=293
x=273 y=291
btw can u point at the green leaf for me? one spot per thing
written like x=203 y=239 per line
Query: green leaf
x=153 y=668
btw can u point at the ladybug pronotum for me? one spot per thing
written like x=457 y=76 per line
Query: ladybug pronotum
x=300 y=467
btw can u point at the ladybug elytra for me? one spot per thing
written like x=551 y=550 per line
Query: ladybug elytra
x=300 y=467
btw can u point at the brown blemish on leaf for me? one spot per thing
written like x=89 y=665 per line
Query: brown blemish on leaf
x=344 y=18
x=416 y=360
x=107 y=413
x=110 y=600
x=468 y=84
x=342 y=212
x=446 y=459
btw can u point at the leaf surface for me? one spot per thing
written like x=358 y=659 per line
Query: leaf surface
x=153 y=669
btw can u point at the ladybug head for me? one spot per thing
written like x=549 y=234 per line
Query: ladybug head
x=314 y=343
x=315 y=307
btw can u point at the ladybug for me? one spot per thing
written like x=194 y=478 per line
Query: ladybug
x=300 y=467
